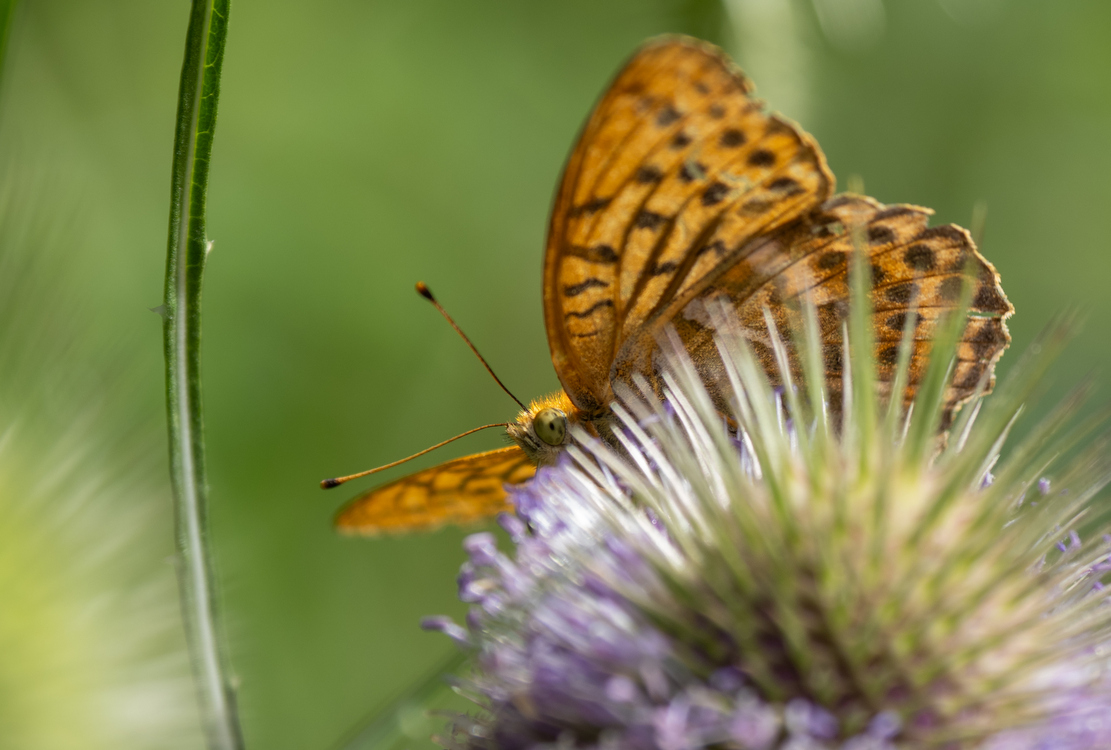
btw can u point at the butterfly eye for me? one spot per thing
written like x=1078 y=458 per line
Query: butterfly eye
x=550 y=426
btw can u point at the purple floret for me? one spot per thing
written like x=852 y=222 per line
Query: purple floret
x=562 y=655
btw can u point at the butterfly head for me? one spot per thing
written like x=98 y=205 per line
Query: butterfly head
x=544 y=428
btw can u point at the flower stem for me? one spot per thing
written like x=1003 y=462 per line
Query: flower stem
x=7 y=15
x=185 y=257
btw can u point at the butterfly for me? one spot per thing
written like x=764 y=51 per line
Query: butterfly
x=683 y=191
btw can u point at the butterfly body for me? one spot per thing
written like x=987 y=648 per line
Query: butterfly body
x=681 y=195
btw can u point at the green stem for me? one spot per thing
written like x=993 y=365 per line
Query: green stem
x=185 y=256
x=7 y=15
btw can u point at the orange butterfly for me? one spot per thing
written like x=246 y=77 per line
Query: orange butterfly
x=681 y=190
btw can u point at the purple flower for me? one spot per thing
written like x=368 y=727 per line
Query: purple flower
x=802 y=583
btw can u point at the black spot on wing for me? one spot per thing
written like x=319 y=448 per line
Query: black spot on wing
x=987 y=298
x=880 y=235
x=971 y=379
x=681 y=140
x=648 y=220
x=648 y=174
x=596 y=254
x=590 y=310
x=659 y=269
x=898 y=321
x=832 y=259
x=761 y=157
x=667 y=116
x=888 y=355
x=785 y=185
x=900 y=294
x=592 y=206
x=988 y=340
x=574 y=290
x=715 y=194
x=732 y=138
x=920 y=257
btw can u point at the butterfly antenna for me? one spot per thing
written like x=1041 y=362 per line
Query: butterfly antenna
x=425 y=292
x=328 y=484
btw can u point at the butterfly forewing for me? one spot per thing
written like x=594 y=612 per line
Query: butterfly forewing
x=675 y=171
x=462 y=491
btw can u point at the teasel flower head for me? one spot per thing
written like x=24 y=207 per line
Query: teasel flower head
x=801 y=572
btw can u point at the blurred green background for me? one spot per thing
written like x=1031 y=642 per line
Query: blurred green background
x=365 y=145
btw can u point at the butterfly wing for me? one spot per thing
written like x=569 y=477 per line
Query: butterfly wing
x=682 y=190
x=462 y=491
x=675 y=171
x=915 y=267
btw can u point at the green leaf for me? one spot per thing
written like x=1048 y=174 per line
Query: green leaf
x=185 y=257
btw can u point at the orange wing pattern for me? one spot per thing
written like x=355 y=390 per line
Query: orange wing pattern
x=680 y=195
x=914 y=267
x=675 y=171
x=462 y=491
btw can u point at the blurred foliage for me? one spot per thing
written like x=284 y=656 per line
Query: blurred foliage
x=7 y=13
x=91 y=647
x=363 y=145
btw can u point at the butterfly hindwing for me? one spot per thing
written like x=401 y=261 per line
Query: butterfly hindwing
x=461 y=491
x=916 y=270
x=676 y=170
